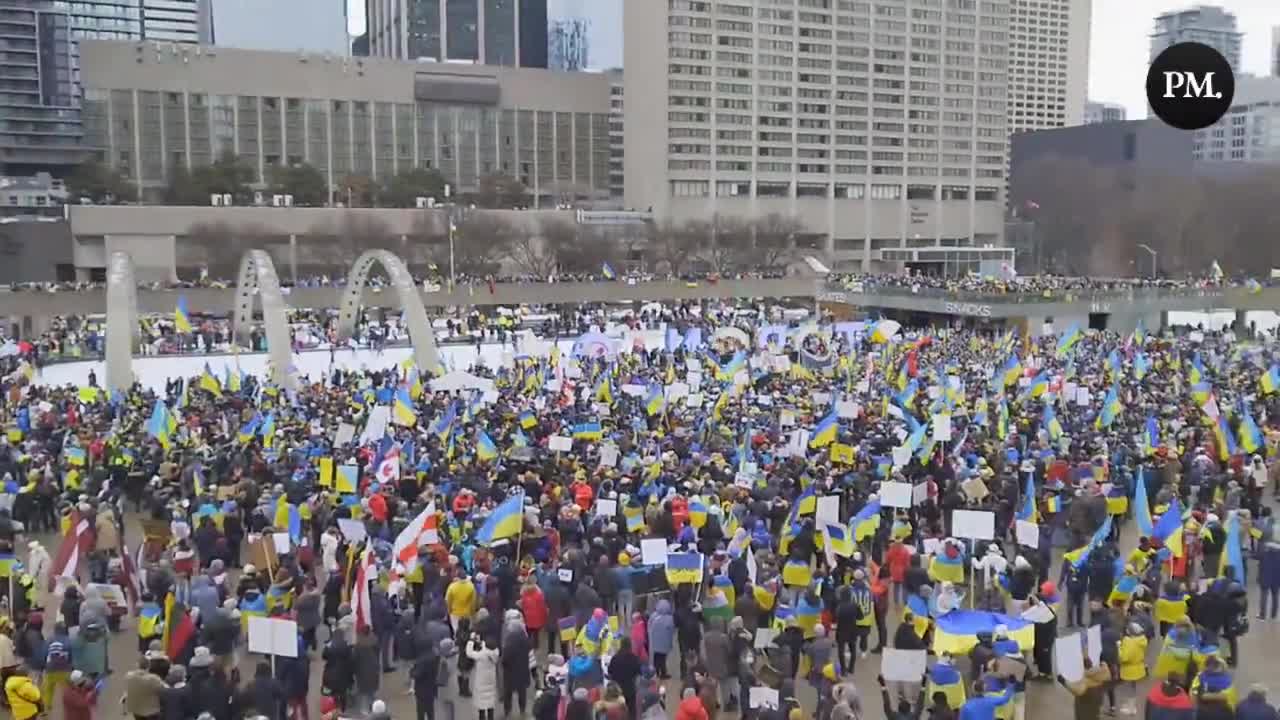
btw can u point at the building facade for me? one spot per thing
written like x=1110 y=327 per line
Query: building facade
x=617 y=139
x=40 y=116
x=1250 y=131
x=1206 y=24
x=881 y=129
x=487 y=32
x=149 y=109
x=568 y=46
x=161 y=20
x=1048 y=63
x=1102 y=112
x=288 y=25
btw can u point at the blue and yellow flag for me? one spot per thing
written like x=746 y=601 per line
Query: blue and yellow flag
x=506 y=521
x=1270 y=380
x=402 y=409
x=588 y=431
x=656 y=402
x=1011 y=371
x=685 y=567
x=209 y=383
x=158 y=426
x=1067 y=341
x=181 y=321
x=824 y=433
x=866 y=522
x=1028 y=512
x=1051 y=423
x=1142 y=505
x=485 y=449
x=607 y=271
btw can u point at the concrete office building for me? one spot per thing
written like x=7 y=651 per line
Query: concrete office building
x=288 y=25
x=882 y=130
x=487 y=32
x=162 y=20
x=1275 y=51
x=1250 y=131
x=41 y=127
x=1048 y=62
x=617 y=139
x=152 y=108
x=1207 y=24
x=1103 y=112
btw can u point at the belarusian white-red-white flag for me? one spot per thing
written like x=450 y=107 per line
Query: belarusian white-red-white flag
x=361 y=606
x=67 y=560
x=422 y=530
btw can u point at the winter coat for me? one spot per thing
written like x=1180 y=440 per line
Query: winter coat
x=533 y=605
x=1269 y=565
x=662 y=628
x=515 y=660
x=204 y=595
x=716 y=651
x=77 y=703
x=484 y=678
x=176 y=703
x=339 y=667
x=368 y=664
x=691 y=708
x=1168 y=707
x=1133 y=658
x=1255 y=707
x=89 y=654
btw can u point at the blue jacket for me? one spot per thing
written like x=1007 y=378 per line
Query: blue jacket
x=984 y=708
x=1255 y=707
x=1269 y=565
x=662 y=628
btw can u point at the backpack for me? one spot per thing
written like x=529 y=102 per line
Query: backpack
x=57 y=657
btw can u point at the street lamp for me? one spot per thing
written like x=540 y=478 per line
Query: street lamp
x=1149 y=249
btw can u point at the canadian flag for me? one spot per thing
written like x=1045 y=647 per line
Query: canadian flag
x=389 y=468
x=67 y=560
x=361 y=606
x=422 y=530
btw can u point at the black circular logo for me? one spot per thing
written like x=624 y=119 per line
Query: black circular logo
x=1190 y=86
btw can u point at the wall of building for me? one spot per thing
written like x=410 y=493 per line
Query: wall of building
x=287 y=25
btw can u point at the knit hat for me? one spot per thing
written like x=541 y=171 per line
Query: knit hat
x=202 y=658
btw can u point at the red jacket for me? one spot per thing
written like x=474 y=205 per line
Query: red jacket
x=691 y=709
x=534 y=607
x=77 y=702
x=898 y=558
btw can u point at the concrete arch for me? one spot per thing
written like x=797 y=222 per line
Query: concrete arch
x=425 y=354
x=123 y=336
x=257 y=278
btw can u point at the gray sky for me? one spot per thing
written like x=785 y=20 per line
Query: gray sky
x=1119 y=44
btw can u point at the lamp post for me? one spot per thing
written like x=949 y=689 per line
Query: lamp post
x=1151 y=250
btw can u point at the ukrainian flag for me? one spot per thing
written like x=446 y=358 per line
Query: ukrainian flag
x=269 y=431
x=1080 y=556
x=697 y=513
x=75 y=456
x=158 y=426
x=485 y=449
x=1142 y=505
x=607 y=271
x=1226 y=439
x=1140 y=365
x=1039 y=385
x=1068 y=340
x=181 y=320
x=1110 y=408
x=1200 y=392
x=249 y=429
x=1051 y=423
x=684 y=567
x=587 y=431
x=209 y=383
x=1168 y=529
x=656 y=402
x=1012 y=370
x=1251 y=439
x=943 y=568
x=957 y=631
x=1028 y=511
x=634 y=515
x=604 y=391
x=807 y=503
x=1002 y=420
x=506 y=521
x=884 y=331
x=736 y=364
x=825 y=432
x=908 y=395
x=866 y=522
x=527 y=420
x=1114 y=369
x=807 y=614
x=1233 y=551
x=1270 y=380
x=402 y=409
x=838 y=539
x=796 y=573
x=944 y=678
x=980 y=412
x=347 y=479
x=1196 y=372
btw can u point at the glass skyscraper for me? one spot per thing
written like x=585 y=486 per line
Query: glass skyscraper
x=488 y=32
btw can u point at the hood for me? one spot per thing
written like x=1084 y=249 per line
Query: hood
x=201 y=582
x=664 y=608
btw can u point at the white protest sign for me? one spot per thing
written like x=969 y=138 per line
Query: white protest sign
x=1094 y=639
x=763 y=697
x=346 y=433
x=565 y=574
x=932 y=546
x=281 y=541
x=1028 y=533
x=903 y=665
x=352 y=530
x=653 y=551
x=847 y=409
x=607 y=508
x=786 y=418
x=828 y=509
x=764 y=638
x=901 y=456
x=693 y=400
x=609 y=456
x=1068 y=657
x=942 y=427
x=675 y=391
x=919 y=493
x=895 y=494
x=634 y=390
x=376 y=427
x=273 y=636
x=821 y=398
x=974 y=524
x=560 y=443
x=1083 y=398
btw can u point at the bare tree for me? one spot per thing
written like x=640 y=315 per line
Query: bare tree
x=480 y=242
x=221 y=245
x=774 y=239
x=588 y=251
x=672 y=246
x=726 y=244
x=538 y=254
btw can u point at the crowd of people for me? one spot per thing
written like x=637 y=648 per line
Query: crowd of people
x=682 y=531
x=1034 y=286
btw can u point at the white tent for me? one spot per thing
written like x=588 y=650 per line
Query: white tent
x=458 y=380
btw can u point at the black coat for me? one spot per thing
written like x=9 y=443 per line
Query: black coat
x=515 y=662
x=339 y=668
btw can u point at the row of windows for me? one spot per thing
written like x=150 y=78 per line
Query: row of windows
x=845 y=191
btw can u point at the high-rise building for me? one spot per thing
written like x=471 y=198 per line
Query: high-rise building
x=1048 y=62
x=42 y=129
x=162 y=20
x=617 y=150
x=487 y=32
x=1275 y=51
x=1103 y=112
x=1250 y=131
x=873 y=125
x=1206 y=24
x=568 y=46
x=594 y=25
x=306 y=25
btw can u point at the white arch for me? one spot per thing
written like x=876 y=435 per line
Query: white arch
x=733 y=334
x=257 y=278
x=123 y=333
x=425 y=354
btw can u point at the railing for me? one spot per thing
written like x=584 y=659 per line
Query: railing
x=1045 y=296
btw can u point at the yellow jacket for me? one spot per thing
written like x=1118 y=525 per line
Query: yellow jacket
x=460 y=598
x=23 y=696
x=1133 y=658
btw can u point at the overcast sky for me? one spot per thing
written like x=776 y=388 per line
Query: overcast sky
x=1119 y=45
